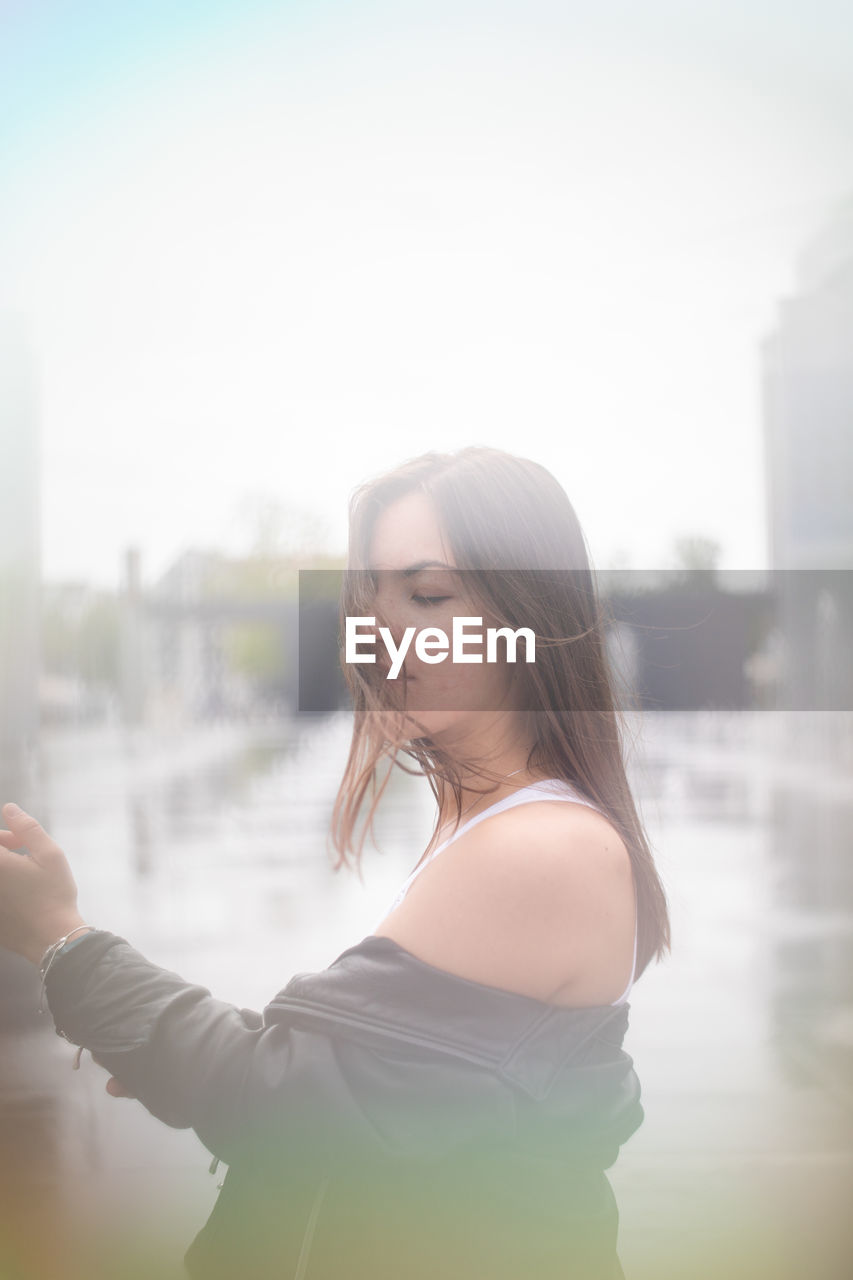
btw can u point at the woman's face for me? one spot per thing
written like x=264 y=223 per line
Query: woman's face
x=416 y=587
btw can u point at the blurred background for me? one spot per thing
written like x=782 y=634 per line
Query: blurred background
x=252 y=255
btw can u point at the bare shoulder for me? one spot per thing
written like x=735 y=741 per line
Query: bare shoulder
x=537 y=899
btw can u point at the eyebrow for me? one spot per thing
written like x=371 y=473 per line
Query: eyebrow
x=412 y=569
x=424 y=564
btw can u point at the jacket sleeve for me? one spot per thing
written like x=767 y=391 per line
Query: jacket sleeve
x=298 y=1082
x=185 y=1055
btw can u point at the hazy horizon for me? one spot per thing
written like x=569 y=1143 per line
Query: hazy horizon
x=263 y=253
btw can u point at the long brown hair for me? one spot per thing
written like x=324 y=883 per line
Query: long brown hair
x=498 y=511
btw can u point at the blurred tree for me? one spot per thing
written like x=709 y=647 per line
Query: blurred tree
x=696 y=553
x=280 y=529
x=80 y=637
x=256 y=650
x=58 y=640
x=283 y=539
x=696 y=561
x=99 y=642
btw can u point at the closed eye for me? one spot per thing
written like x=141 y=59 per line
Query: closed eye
x=430 y=600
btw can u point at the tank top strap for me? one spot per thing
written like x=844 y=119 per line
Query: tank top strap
x=547 y=789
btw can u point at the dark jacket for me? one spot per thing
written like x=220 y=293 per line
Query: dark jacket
x=381 y=1117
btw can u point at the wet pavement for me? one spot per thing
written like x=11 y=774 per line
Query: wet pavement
x=208 y=852
x=743 y=1039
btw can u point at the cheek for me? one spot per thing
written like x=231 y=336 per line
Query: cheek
x=458 y=687
x=495 y=684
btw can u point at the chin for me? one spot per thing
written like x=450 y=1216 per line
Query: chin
x=434 y=724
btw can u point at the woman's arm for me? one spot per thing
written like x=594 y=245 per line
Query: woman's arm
x=255 y=1089
x=167 y=1042
x=267 y=1090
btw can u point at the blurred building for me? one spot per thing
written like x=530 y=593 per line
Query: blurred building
x=173 y=668
x=20 y=541
x=687 y=646
x=78 y=670
x=20 y=577
x=177 y=640
x=808 y=409
x=808 y=440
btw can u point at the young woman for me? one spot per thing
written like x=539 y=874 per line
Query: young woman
x=559 y=901
x=445 y=1097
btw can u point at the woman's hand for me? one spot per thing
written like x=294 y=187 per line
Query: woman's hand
x=38 y=896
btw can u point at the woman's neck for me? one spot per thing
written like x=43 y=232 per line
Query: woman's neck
x=480 y=790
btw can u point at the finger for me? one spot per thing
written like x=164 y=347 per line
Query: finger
x=27 y=831
x=116 y=1090
x=9 y=842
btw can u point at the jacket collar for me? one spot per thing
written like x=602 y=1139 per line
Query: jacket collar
x=379 y=989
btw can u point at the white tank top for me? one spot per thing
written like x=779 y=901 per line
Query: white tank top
x=547 y=789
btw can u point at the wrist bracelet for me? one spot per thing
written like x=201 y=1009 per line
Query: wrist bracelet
x=51 y=954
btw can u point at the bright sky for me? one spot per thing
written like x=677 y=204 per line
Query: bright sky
x=263 y=251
